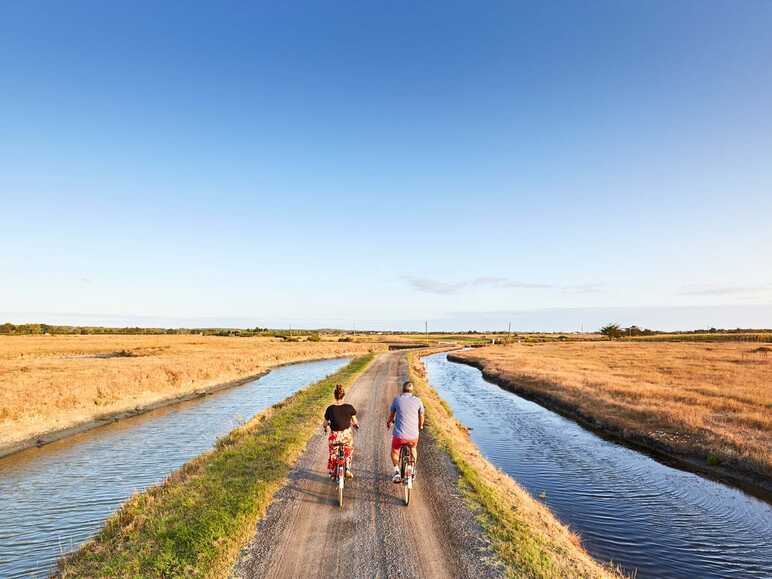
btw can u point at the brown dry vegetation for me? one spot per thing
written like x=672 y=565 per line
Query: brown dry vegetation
x=707 y=401
x=49 y=383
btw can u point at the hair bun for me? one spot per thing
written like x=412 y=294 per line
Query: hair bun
x=339 y=392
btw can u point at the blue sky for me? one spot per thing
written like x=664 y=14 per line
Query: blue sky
x=552 y=164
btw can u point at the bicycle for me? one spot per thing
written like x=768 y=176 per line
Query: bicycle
x=340 y=471
x=406 y=470
x=341 y=462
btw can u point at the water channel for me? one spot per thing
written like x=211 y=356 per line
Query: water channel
x=55 y=497
x=627 y=507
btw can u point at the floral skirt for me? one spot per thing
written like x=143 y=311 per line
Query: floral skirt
x=337 y=437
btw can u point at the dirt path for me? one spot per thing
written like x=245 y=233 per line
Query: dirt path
x=375 y=535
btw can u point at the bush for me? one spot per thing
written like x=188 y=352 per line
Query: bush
x=612 y=331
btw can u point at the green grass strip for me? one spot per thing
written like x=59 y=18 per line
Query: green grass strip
x=195 y=522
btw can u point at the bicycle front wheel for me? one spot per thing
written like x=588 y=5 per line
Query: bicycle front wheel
x=407 y=494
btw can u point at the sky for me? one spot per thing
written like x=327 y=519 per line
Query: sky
x=556 y=165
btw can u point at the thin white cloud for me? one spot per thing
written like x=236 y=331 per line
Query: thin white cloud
x=440 y=287
x=588 y=288
x=725 y=290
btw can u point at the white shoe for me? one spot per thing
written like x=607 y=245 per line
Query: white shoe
x=396 y=478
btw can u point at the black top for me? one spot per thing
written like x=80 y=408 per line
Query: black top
x=339 y=416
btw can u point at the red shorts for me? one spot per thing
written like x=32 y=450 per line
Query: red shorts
x=397 y=442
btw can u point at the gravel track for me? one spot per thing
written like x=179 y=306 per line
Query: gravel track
x=305 y=534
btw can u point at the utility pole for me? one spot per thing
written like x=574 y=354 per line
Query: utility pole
x=426 y=331
x=509 y=332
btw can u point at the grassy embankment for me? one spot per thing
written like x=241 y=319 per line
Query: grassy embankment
x=52 y=383
x=526 y=536
x=709 y=404
x=194 y=523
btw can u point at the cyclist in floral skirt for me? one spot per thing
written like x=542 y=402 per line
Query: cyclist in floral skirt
x=339 y=418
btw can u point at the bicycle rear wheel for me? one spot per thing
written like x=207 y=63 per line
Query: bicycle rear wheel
x=407 y=475
x=341 y=470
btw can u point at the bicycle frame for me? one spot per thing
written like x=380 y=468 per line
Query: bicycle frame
x=340 y=470
x=406 y=469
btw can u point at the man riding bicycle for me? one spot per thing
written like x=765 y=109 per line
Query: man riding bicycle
x=407 y=414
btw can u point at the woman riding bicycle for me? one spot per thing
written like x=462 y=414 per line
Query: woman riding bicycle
x=339 y=418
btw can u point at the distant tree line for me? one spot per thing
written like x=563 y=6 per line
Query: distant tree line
x=50 y=329
x=612 y=331
x=54 y=330
x=616 y=331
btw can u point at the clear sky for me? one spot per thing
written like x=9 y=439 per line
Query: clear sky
x=326 y=164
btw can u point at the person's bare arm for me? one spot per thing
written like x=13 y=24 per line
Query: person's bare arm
x=391 y=418
x=420 y=421
x=355 y=422
x=325 y=425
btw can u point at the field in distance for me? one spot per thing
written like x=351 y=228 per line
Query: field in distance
x=707 y=401
x=49 y=383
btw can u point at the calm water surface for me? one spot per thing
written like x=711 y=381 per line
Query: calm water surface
x=55 y=497
x=626 y=506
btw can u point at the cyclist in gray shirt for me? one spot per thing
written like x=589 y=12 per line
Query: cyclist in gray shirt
x=407 y=414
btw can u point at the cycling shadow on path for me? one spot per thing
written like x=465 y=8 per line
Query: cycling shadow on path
x=367 y=487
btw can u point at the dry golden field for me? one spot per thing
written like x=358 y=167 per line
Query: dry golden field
x=50 y=383
x=707 y=401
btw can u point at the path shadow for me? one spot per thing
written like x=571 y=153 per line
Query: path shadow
x=367 y=486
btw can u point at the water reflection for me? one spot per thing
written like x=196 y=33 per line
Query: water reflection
x=626 y=506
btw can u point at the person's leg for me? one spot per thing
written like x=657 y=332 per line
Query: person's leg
x=348 y=449
x=331 y=459
x=395 y=459
x=414 y=452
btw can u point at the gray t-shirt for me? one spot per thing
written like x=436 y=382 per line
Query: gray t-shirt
x=408 y=407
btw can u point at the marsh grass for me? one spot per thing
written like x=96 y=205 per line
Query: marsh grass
x=195 y=522
x=526 y=536
x=710 y=402
x=50 y=383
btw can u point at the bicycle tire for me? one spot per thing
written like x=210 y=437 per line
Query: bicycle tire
x=340 y=496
